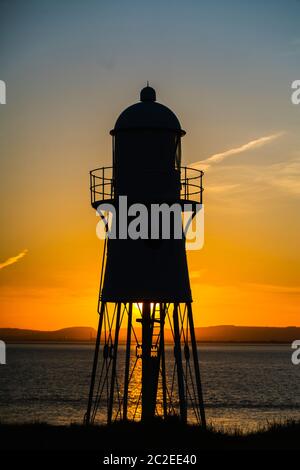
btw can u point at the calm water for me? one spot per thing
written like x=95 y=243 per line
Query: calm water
x=244 y=386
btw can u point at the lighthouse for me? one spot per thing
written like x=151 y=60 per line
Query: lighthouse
x=146 y=361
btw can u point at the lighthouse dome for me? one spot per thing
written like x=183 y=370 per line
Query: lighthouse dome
x=148 y=114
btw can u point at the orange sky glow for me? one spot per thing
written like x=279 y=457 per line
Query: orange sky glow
x=67 y=81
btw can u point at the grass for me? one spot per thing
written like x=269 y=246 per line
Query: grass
x=157 y=437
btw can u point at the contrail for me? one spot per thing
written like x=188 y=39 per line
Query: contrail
x=13 y=259
x=218 y=157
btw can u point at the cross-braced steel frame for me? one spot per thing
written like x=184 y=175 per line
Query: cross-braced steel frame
x=145 y=364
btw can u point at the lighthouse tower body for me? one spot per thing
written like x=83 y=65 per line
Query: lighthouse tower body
x=152 y=369
x=146 y=164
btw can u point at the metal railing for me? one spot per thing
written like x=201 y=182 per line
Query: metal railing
x=102 y=184
x=191 y=187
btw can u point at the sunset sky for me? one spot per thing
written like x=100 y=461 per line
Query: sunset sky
x=70 y=68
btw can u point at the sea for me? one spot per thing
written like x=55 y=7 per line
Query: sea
x=246 y=387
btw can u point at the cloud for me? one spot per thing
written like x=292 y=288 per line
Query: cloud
x=249 y=287
x=13 y=259
x=276 y=289
x=263 y=180
x=197 y=274
x=219 y=157
x=221 y=188
x=284 y=175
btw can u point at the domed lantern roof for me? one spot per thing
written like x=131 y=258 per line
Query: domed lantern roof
x=147 y=114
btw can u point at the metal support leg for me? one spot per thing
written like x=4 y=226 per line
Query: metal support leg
x=127 y=362
x=178 y=358
x=163 y=359
x=196 y=365
x=87 y=417
x=147 y=373
x=114 y=366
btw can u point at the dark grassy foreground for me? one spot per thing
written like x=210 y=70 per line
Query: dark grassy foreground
x=124 y=438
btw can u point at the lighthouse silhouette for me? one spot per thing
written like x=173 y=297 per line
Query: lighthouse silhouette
x=146 y=363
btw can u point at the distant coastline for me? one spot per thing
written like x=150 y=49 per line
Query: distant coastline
x=211 y=334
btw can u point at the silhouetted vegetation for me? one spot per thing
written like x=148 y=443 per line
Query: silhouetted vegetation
x=158 y=437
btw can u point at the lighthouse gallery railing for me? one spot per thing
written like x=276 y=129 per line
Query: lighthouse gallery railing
x=102 y=184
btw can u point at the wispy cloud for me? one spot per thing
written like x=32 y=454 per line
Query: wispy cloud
x=223 y=188
x=13 y=259
x=284 y=175
x=197 y=274
x=219 y=157
x=276 y=289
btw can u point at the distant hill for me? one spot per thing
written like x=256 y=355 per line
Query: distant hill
x=224 y=333
x=248 y=334
x=76 y=333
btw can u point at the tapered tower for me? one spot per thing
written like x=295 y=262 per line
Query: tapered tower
x=146 y=359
